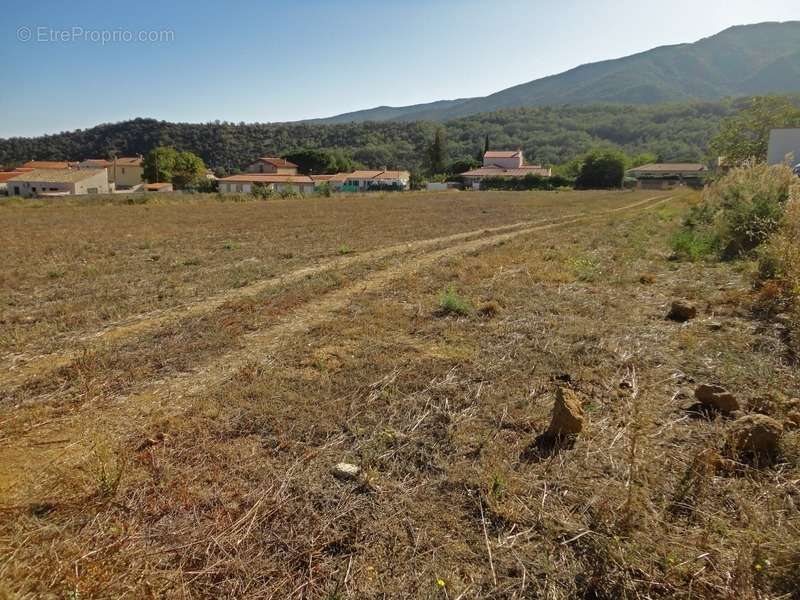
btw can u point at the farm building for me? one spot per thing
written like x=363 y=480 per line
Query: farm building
x=4 y=177
x=244 y=183
x=274 y=166
x=58 y=182
x=508 y=163
x=364 y=181
x=784 y=144
x=660 y=176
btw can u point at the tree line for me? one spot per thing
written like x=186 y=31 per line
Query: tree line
x=548 y=135
x=582 y=143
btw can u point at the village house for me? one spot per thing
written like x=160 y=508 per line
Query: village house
x=273 y=166
x=364 y=181
x=661 y=176
x=503 y=163
x=245 y=183
x=126 y=172
x=784 y=147
x=58 y=182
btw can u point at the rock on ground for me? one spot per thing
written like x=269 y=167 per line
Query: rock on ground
x=567 y=417
x=682 y=311
x=346 y=471
x=754 y=434
x=717 y=398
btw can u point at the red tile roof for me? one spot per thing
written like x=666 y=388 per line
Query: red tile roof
x=97 y=163
x=501 y=172
x=278 y=163
x=129 y=161
x=502 y=154
x=670 y=168
x=46 y=164
x=6 y=175
x=379 y=175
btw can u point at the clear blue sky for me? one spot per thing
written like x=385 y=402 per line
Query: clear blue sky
x=289 y=60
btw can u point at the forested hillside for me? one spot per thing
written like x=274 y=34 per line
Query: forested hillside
x=549 y=135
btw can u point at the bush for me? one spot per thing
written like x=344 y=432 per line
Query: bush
x=451 y=303
x=529 y=182
x=694 y=245
x=779 y=259
x=602 y=169
x=738 y=213
x=324 y=189
x=264 y=192
x=747 y=206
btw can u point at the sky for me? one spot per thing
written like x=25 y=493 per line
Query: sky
x=70 y=65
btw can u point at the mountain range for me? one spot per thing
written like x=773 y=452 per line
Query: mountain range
x=741 y=61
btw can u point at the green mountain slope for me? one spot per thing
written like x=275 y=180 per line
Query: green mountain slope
x=750 y=59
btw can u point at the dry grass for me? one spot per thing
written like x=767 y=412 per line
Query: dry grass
x=225 y=490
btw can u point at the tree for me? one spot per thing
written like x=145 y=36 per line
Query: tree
x=745 y=136
x=602 y=169
x=167 y=165
x=438 y=153
x=645 y=158
x=486 y=144
x=159 y=164
x=320 y=161
x=188 y=171
x=462 y=165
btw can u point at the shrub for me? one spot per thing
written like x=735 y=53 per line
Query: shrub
x=738 y=213
x=528 y=182
x=451 y=303
x=585 y=268
x=259 y=190
x=324 y=190
x=602 y=169
x=694 y=245
x=779 y=259
x=748 y=206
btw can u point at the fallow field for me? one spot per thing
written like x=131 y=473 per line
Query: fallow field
x=180 y=377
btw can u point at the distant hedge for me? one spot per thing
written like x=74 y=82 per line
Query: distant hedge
x=529 y=182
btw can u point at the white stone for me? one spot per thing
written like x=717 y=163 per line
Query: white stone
x=346 y=471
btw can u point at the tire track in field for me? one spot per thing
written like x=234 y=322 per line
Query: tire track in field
x=72 y=435
x=131 y=327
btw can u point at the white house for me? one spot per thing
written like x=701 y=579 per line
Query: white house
x=364 y=181
x=783 y=144
x=504 y=159
x=58 y=182
x=244 y=183
x=125 y=172
x=503 y=163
